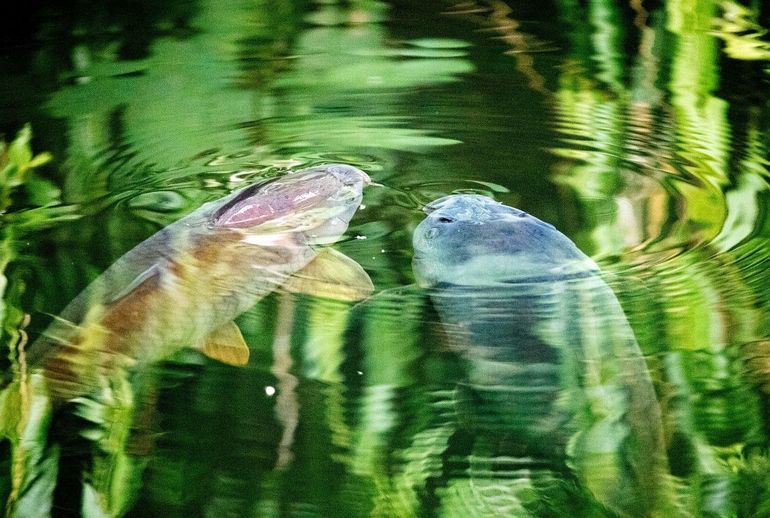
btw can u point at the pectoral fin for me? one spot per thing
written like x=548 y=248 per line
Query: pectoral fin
x=331 y=275
x=226 y=344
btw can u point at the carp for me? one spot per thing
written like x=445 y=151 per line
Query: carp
x=183 y=286
x=554 y=373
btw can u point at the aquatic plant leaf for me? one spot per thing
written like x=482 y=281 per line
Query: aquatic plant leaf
x=17 y=164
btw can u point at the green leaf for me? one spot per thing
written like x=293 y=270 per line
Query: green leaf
x=40 y=159
x=41 y=192
x=19 y=151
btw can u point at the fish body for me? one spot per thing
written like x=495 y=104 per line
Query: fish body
x=553 y=367
x=183 y=286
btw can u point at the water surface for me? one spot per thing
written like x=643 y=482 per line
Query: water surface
x=640 y=130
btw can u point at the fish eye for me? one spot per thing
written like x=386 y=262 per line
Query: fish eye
x=444 y=219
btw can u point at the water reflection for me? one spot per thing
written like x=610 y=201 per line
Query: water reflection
x=676 y=232
x=639 y=130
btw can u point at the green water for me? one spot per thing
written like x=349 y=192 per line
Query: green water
x=640 y=130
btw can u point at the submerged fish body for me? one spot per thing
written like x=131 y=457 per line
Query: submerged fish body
x=183 y=286
x=552 y=364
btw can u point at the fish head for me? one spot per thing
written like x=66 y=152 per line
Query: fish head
x=317 y=202
x=473 y=240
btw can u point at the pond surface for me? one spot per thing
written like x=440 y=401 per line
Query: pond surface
x=639 y=130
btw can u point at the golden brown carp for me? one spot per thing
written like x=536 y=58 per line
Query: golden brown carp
x=183 y=286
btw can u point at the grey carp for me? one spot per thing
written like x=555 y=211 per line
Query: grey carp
x=553 y=367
